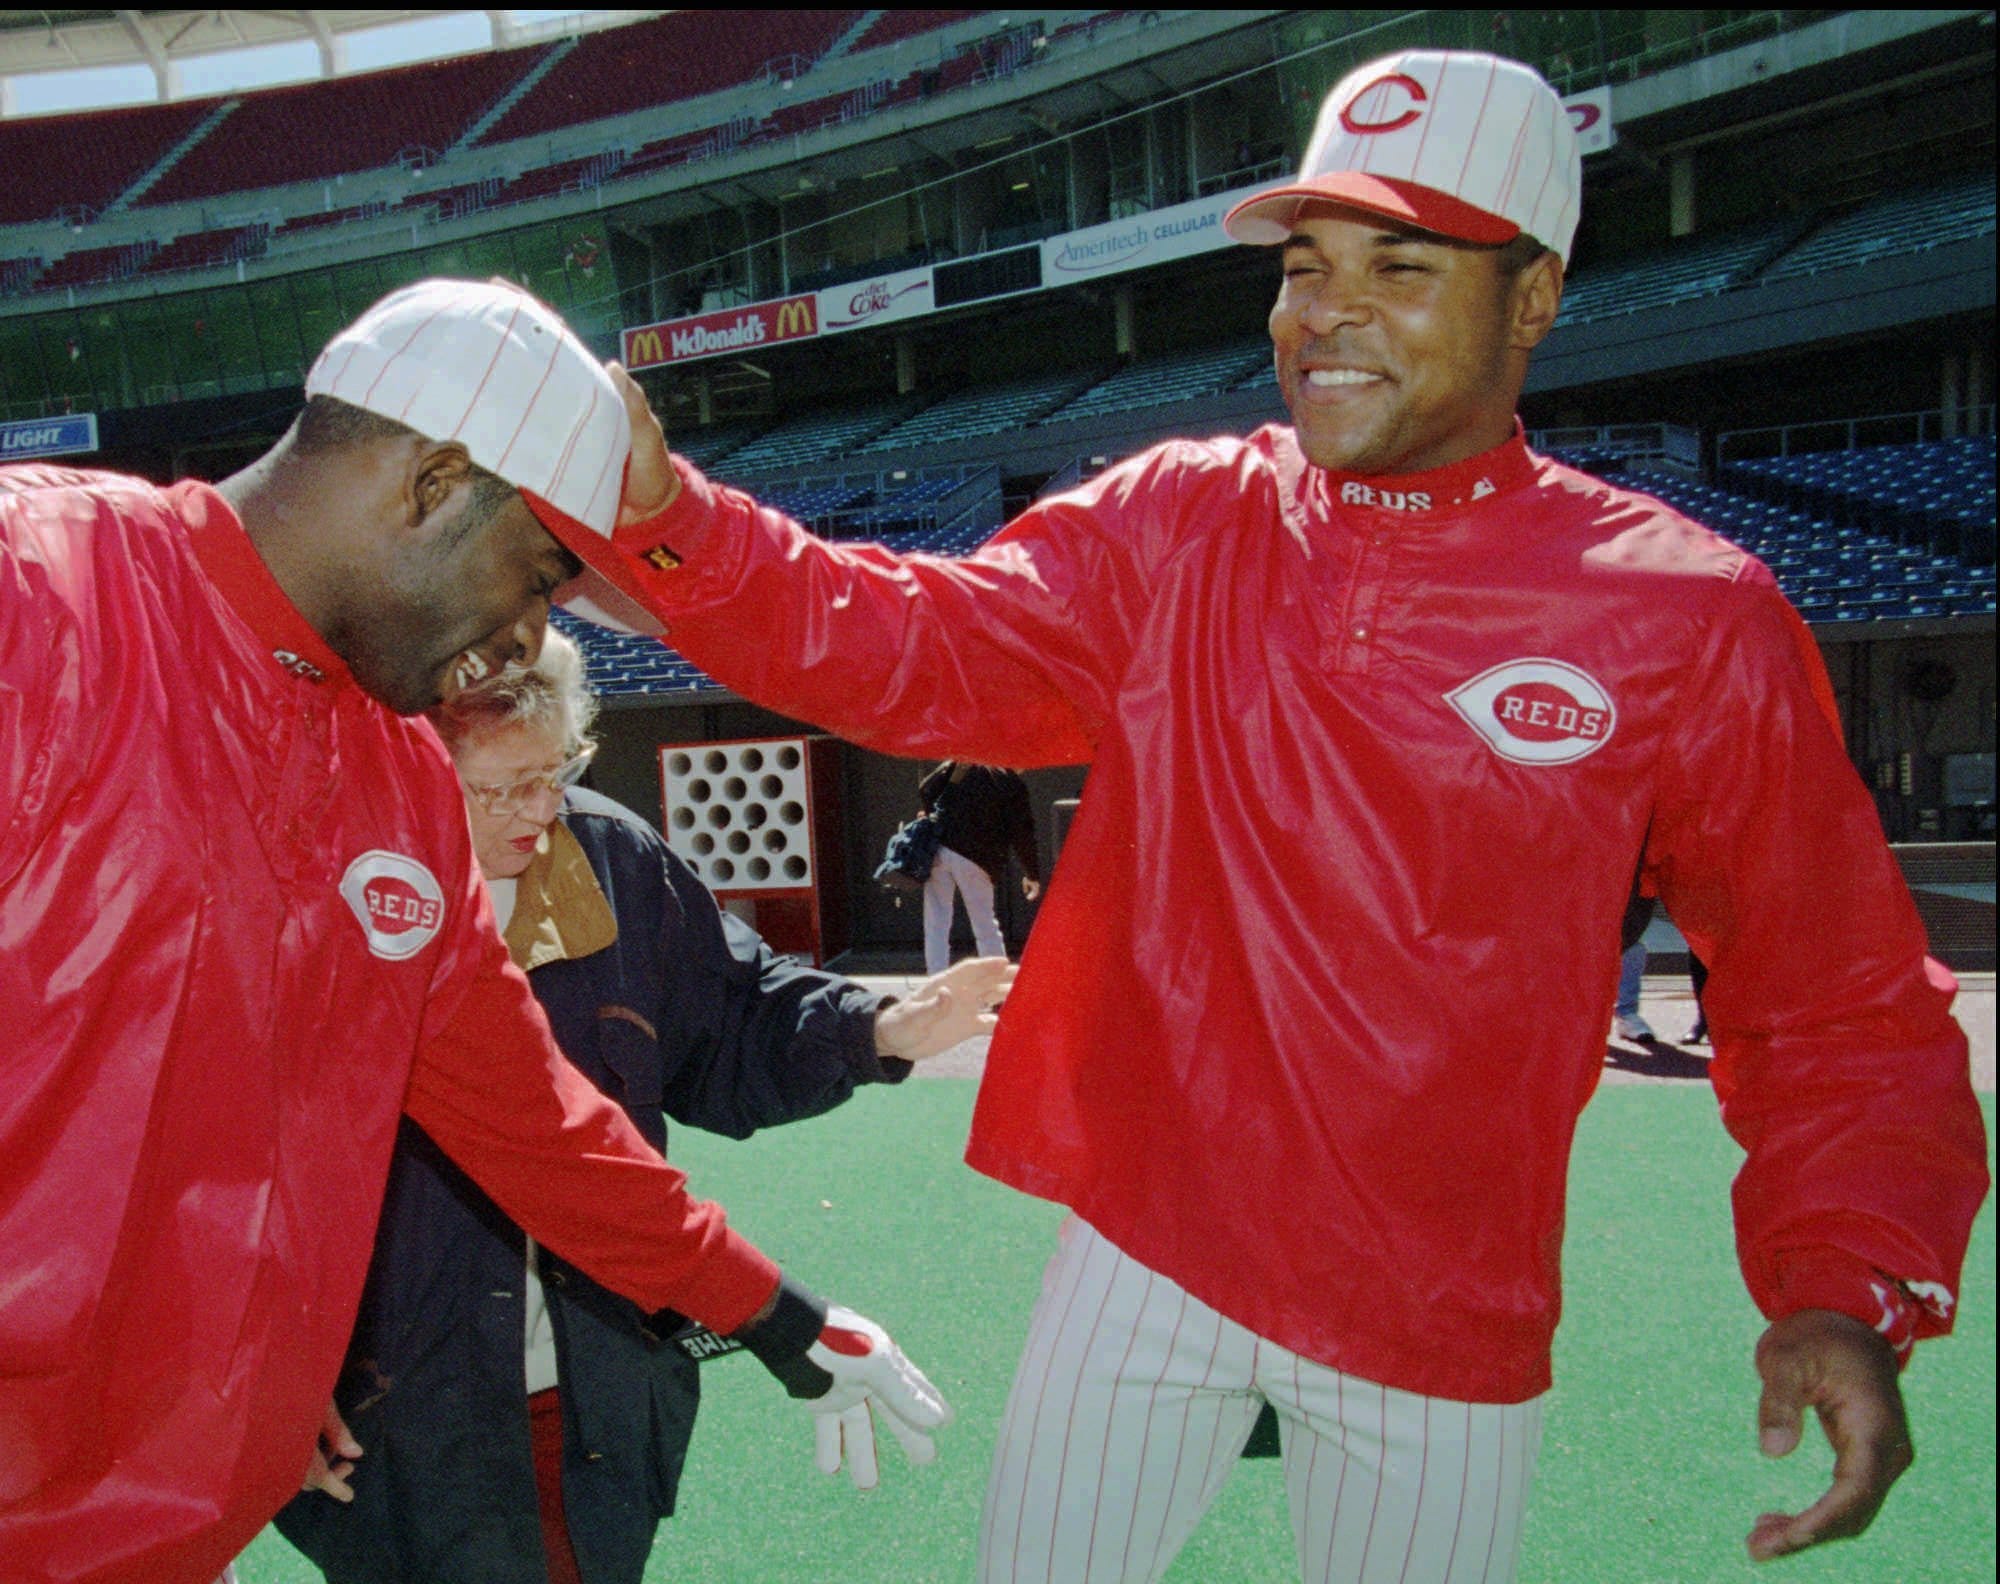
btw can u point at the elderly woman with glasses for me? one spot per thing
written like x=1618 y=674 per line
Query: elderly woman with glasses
x=522 y=1424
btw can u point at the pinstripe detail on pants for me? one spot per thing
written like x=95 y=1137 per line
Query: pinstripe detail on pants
x=1133 y=1402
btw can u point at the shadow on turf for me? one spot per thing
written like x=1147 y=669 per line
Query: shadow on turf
x=1655 y=1058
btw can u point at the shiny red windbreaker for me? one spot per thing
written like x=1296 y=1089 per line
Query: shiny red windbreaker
x=1323 y=977
x=241 y=930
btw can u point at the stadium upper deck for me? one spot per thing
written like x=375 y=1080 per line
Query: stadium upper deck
x=163 y=299
x=85 y=167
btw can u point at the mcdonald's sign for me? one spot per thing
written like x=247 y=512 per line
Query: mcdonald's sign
x=796 y=317
x=713 y=334
x=644 y=348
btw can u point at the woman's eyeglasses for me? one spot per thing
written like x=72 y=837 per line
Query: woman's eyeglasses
x=513 y=796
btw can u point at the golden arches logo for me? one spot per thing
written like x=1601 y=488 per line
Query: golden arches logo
x=795 y=318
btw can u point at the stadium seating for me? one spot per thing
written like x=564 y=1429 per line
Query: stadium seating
x=1699 y=267
x=800 y=444
x=958 y=540
x=1178 y=377
x=705 y=447
x=457 y=199
x=679 y=55
x=18 y=274
x=1900 y=223
x=93 y=266
x=79 y=165
x=1267 y=374
x=322 y=129
x=1832 y=572
x=320 y=219
x=1937 y=493
x=982 y=410
x=201 y=249
x=571 y=175
x=827 y=110
x=49 y=164
x=930 y=514
x=620 y=664
x=1703 y=266
x=676 y=150
x=806 y=502
x=892 y=26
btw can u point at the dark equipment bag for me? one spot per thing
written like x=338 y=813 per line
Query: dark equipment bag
x=906 y=862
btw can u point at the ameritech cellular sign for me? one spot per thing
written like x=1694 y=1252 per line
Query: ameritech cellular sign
x=1151 y=238
x=46 y=437
x=714 y=334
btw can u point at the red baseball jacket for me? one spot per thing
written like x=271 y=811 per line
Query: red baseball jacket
x=241 y=930
x=1322 y=979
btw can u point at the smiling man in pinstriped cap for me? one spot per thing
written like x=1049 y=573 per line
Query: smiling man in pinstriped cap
x=1382 y=711
x=242 y=932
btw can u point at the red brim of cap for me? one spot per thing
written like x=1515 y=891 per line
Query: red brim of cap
x=609 y=590
x=1265 y=219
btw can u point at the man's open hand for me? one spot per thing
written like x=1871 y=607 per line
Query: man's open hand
x=1845 y=1373
x=945 y=1010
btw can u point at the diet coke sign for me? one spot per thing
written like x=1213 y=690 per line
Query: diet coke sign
x=860 y=304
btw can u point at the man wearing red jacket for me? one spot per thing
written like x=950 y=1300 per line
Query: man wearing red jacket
x=241 y=931
x=1382 y=711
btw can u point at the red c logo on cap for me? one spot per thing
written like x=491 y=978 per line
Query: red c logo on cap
x=1415 y=90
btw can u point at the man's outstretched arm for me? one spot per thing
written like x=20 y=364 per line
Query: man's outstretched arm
x=1010 y=655
x=1839 y=1067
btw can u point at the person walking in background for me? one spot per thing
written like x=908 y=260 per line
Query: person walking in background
x=1626 y=1022
x=983 y=814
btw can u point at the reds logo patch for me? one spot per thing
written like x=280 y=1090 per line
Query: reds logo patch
x=1380 y=114
x=397 y=900
x=1537 y=712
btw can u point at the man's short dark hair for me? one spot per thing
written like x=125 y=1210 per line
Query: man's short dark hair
x=1518 y=254
x=328 y=424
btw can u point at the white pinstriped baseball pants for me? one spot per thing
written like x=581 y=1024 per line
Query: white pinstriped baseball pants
x=1133 y=1402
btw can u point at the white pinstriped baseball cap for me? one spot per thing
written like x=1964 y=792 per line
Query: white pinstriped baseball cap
x=1466 y=145
x=492 y=367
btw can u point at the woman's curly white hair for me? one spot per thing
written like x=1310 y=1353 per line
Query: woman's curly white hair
x=553 y=694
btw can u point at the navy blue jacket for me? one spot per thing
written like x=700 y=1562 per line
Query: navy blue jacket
x=686 y=1014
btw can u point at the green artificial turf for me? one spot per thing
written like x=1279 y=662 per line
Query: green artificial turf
x=1649 y=1471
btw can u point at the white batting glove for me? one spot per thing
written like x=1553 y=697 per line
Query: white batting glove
x=847 y=1373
